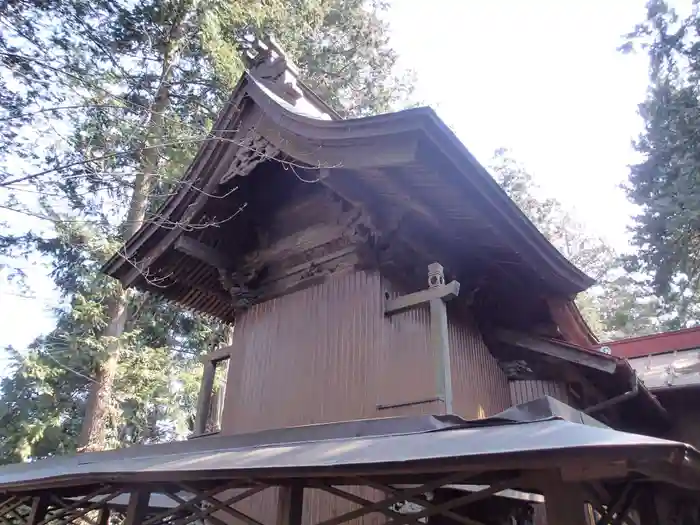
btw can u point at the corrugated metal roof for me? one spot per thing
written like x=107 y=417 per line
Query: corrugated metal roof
x=671 y=370
x=658 y=343
x=540 y=434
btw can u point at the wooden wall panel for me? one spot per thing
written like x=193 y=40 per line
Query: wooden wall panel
x=524 y=391
x=406 y=368
x=479 y=386
x=308 y=357
x=327 y=353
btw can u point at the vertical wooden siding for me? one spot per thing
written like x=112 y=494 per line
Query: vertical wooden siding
x=313 y=356
x=524 y=391
x=479 y=386
x=406 y=373
x=308 y=357
x=328 y=354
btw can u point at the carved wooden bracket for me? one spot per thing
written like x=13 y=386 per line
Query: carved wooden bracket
x=235 y=283
x=252 y=150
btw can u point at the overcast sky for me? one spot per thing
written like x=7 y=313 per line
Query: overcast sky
x=541 y=77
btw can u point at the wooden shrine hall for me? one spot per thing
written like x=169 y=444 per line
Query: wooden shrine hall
x=405 y=349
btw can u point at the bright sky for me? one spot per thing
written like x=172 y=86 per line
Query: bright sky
x=540 y=77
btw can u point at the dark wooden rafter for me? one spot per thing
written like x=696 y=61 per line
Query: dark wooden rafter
x=555 y=350
x=379 y=154
x=202 y=252
x=234 y=283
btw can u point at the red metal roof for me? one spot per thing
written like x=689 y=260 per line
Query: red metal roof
x=655 y=343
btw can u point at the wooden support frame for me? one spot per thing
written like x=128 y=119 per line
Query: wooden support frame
x=419 y=500
x=445 y=292
x=206 y=387
x=138 y=507
x=396 y=495
x=564 y=502
x=396 y=498
x=437 y=294
x=290 y=504
x=192 y=505
x=440 y=342
x=562 y=499
x=201 y=252
x=559 y=351
x=69 y=510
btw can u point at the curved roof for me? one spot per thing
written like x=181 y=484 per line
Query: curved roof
x=410 y=158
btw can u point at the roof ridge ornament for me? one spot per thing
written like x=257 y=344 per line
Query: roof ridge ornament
x=272 y=67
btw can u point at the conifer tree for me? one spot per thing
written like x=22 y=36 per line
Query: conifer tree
x=104 y=104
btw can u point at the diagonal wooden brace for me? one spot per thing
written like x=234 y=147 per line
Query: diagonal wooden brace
x=419 y=500
x=405 y=494
x=457 y=502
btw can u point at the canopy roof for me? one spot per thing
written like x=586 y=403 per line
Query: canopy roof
x=537 y=435
x=408 y=161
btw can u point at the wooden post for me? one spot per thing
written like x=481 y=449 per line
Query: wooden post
x=138 y=507
x=40 y=505
x=290 y=504
x=437 y=294
x=439 y=337
x=204 y=399
x=564 y=502
x=440 y=343
x=103 y=518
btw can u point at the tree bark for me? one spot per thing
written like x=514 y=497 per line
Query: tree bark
x=99 y=405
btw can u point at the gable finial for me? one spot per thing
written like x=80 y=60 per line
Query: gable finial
x=270 y=65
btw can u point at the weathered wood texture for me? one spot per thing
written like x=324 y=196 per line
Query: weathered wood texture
x=328 y=353
x=480 y=387
x=308 y=357
x=684 y=414
x=524 y=391
x=317 y=506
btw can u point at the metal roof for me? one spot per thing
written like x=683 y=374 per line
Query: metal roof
x=653 y=344
x=406 y=156
x=670 y=370
x=541 y=434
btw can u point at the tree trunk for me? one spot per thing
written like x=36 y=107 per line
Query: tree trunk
x=99 y=407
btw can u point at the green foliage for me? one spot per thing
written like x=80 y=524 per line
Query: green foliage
x=619 y=305
x=589 y=253
x=103 y=104
x=665 y=183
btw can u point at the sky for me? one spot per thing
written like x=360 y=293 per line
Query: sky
x=542 y=78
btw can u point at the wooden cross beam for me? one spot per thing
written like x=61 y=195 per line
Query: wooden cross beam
x=437 y=294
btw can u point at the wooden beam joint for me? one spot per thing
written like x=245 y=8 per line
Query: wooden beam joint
x=202 y=252
x=446 y=292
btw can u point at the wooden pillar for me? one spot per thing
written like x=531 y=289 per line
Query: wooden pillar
x=290 y=504
x=138 y=507
x=204 y=399
x=437 y=294
x=564 y=502
x=40 y=505
x=439 y=337
x=103 y=518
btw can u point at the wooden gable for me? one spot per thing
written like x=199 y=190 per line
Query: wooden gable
x=287 y=194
